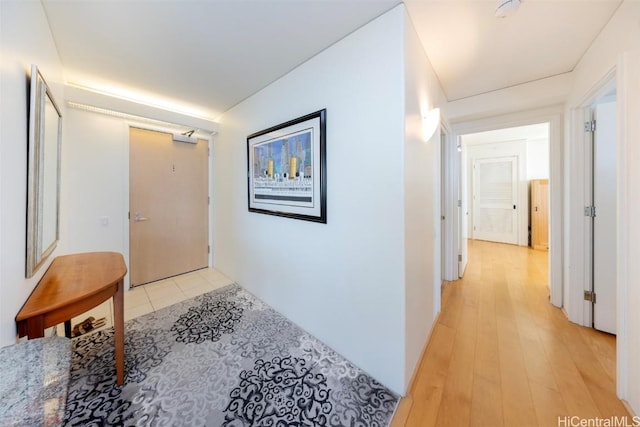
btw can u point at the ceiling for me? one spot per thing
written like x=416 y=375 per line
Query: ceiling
x=474 y=52
x=203 y=57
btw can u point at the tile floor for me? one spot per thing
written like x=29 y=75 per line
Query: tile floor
x=153 y=296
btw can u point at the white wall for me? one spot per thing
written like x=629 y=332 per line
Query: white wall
x=422 y=231
x=96 y=183
x=26 y=40
x=343 y=281
x=538 y=158
x=621 y=34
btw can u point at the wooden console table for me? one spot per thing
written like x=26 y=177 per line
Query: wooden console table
x=72 y=285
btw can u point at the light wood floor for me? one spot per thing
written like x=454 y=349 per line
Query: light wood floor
x=502 y=355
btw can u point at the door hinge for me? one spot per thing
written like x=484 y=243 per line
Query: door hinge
x=459 y=203
x=208 y=249
x=590 y=296
x=590 y=211
x=459 y=258
x=209 y=200
x=128 y=215
x=590 y=126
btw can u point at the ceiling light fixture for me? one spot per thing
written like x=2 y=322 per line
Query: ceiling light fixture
x=507 y=7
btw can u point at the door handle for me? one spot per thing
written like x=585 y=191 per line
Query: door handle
x=138 y=218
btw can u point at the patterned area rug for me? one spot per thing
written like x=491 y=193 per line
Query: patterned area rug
x=221 y=359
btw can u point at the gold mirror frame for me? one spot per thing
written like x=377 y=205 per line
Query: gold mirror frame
x=43 y=175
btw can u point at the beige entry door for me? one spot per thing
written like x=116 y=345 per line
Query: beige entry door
x=168 y=206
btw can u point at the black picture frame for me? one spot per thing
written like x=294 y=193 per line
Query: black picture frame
x=287 y=169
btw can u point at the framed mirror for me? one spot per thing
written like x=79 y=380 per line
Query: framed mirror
x=43 y=173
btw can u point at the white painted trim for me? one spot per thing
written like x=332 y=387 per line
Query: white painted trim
x=626 y=62
x=449 y=186
x=624 y=215
x=125 y=203
x=211 y=200
x=586 y=183
x=575 y=278
x=554 y=116
x=556 y=199
x=600 y=89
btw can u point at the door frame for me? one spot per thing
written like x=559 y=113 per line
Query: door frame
x=598 y=230
x=207 y=136
x=554 y=116
x=627 y=131
x=580 y=244
x=449 y=209
x=626 y=86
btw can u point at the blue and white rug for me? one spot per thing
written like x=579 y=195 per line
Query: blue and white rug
x=221 y=359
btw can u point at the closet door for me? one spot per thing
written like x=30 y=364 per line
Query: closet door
x=540 y=214
x=495 y=195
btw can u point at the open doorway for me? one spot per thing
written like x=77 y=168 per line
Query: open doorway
x=499 y=169
x=458 y=208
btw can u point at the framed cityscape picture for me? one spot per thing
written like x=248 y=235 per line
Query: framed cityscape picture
x=287 y=171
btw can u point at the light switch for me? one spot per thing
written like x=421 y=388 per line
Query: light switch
x=104 y=220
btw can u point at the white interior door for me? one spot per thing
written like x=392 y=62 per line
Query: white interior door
x=495 y=195
x=604 y=223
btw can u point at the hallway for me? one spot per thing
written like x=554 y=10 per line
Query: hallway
x=502 y=355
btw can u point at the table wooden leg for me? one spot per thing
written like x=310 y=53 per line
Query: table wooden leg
x=118 y=326
x=35 y=327
x=67 y=328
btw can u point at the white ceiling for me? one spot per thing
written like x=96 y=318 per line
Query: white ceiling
x=474 y=52
x=203 y=57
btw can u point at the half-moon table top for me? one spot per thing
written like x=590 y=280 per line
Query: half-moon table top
x=73 y=278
